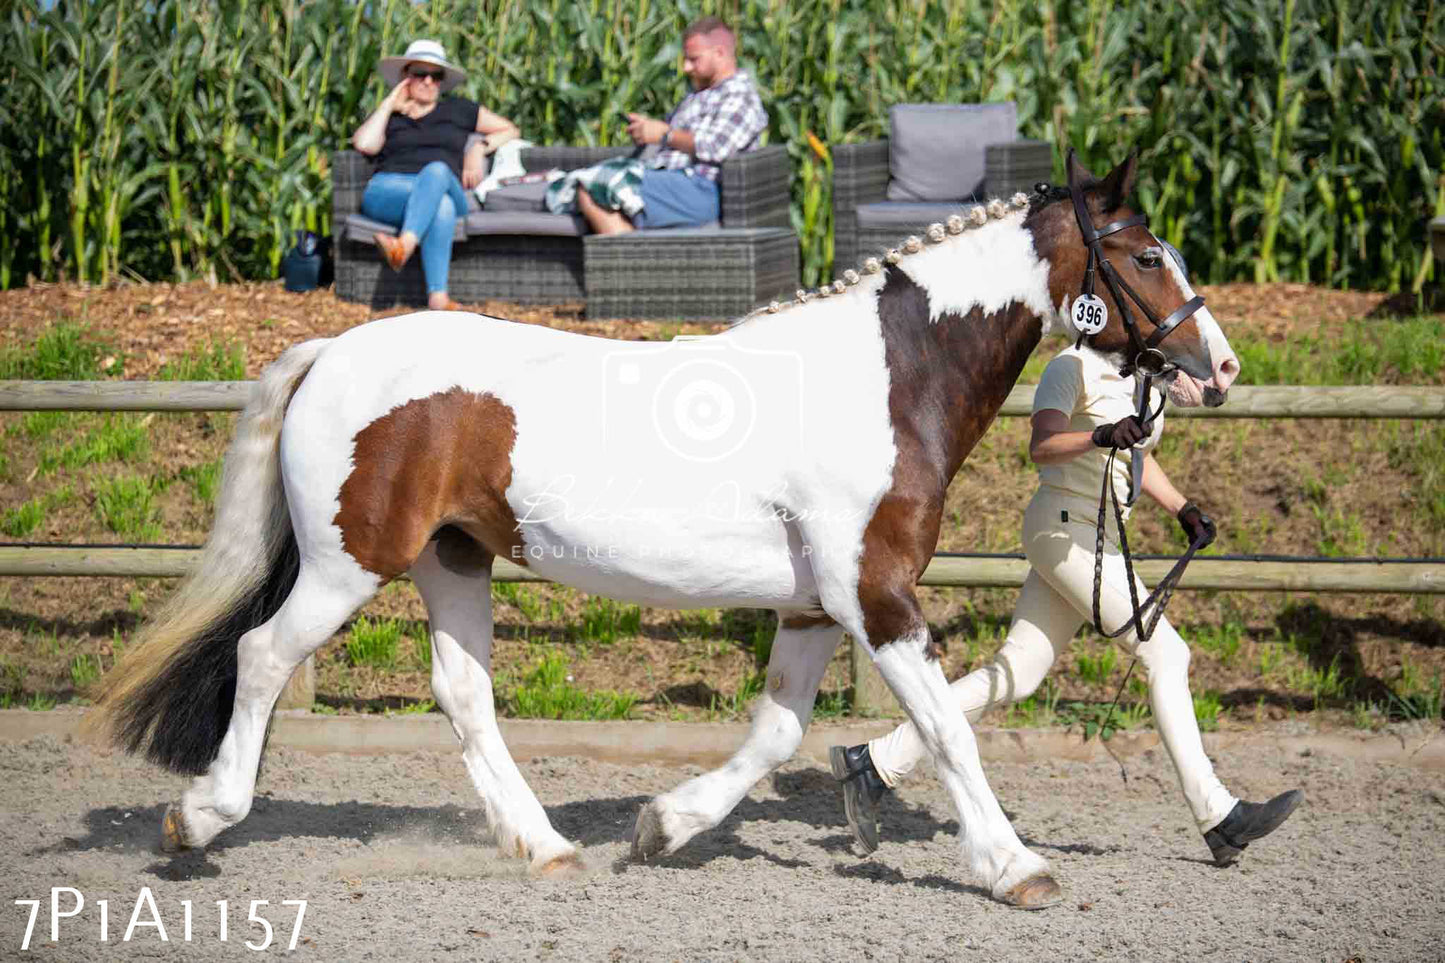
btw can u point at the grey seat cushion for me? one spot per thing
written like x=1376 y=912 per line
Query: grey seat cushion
x=359 y=227
x=525 y=222
x=903 y=214
x=518 y=197
x=936 y=151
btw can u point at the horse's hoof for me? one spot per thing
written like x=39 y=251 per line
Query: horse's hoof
x=562 y=867
x=1035 y=893
x=173 y=831
x=648 y=838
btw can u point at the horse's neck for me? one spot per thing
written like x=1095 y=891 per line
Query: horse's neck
x=959 y=321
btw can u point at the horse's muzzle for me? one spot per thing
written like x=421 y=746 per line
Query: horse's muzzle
x=1213 y=397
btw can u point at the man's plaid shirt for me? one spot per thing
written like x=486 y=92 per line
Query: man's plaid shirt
x=724 y=120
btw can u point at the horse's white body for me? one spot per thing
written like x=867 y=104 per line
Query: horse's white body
x=600 y=502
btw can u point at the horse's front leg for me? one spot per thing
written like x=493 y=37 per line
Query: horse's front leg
x=801 y=650
x=454 y=577
x=898 y=638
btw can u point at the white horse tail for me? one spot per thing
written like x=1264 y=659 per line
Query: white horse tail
x=172 y=694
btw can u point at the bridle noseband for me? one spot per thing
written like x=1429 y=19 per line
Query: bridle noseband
x=1147 y=356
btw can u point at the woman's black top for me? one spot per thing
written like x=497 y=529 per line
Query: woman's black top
x=440 y=135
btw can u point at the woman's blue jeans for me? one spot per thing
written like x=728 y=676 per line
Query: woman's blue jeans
x=427 y=204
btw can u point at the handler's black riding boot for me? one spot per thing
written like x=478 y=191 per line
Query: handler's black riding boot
x=1247 y=822
x=863 y=790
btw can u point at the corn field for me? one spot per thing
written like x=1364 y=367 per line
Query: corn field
x=1280 y=139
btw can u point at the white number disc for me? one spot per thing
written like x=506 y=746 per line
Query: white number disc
x=1090 y=315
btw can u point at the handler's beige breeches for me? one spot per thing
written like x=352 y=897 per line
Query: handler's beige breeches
x=1057 y=598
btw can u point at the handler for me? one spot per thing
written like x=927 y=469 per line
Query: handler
x=1082 y=408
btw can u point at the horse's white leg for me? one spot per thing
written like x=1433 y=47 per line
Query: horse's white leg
x=454 y=576
x=990 y=846
x=318 y=604
x=801 y=650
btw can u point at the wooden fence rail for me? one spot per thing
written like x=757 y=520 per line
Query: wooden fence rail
x=1234 y=574
x=1264 y=401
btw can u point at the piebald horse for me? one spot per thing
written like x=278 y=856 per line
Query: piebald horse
x=796 y=461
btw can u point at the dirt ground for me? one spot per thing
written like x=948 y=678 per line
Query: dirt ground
x=392 y=856
x=1280 y=487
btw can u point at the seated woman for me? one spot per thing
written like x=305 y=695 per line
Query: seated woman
x=421 y=138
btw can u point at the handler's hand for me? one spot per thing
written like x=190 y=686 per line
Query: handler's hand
x=1125 y=433
x=1196 y=525
x=471 y=175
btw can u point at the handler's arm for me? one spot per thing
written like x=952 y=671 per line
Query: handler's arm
x=1157 y=486
x=1052 y=443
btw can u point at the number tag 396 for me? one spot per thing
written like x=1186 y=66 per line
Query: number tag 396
x=1090 y=315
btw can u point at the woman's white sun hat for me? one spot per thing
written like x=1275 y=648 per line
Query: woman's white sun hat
x=427 y=52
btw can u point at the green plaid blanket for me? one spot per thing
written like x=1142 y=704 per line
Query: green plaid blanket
x=614 y=184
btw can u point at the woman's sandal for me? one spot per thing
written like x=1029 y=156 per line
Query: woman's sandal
x=393 y=251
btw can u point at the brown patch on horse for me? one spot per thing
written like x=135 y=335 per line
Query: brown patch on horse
x=440 y=460
x=802 y=620
x=947 y=381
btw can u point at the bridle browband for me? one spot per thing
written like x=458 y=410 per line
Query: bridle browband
x=1147 y=356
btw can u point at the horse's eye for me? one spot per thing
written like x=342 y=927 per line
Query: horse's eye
x=1149 y=259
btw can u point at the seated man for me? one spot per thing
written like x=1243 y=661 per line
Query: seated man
x=722 y=116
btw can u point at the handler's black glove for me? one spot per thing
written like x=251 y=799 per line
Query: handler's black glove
x=1125 y=433
x=1196 y=524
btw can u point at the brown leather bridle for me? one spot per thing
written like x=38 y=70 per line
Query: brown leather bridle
x=1147 y=356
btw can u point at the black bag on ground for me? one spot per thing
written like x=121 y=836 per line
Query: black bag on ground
x=308 y=265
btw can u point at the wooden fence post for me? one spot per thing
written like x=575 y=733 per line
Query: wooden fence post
x=871 y=695
x=300 y=691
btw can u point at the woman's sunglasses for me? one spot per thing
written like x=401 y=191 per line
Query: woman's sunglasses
x=435 y=76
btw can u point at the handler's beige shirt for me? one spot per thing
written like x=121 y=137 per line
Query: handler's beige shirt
x=1088 y=389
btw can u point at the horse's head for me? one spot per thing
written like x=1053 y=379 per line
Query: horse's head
x=1146 y=313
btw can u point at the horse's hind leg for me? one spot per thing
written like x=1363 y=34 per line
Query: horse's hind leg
x=801 y=650
x=320 y=601
x=454 y=576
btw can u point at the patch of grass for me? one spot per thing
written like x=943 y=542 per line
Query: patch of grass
x=831 y=704
x=749 y=689
x=1222 y=640
x=25 y=518
x=546 y=692
x=203 y=480
x=121 y=438
x=22 y=520
x=127 y=507
x=1207 y=707
x=1403 y=351
x=39 y=425
x=418 y=708
x=1366 y=715
x=1341 y=535
x=41 y=702
x=84 y=671
x=1270 y=658
x=1038 y=708
x=1325 y=683
x=376 y=642
x=63 y=352
x=1097 y=669
x=218 y=361
x=12 y=679
x=606 y=620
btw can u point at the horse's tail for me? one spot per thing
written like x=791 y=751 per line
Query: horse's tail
x=171 y=696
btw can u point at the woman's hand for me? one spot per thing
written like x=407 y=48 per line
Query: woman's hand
x=1123 y=434
x=400 y=97
x=1197 y=525
x=472 y=167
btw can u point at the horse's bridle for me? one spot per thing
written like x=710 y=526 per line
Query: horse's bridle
x=1147 y=356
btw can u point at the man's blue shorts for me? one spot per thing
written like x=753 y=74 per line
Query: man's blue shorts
x=672 y=198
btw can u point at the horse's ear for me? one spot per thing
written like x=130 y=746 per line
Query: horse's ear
x=1078 y=173
x=1117 y=187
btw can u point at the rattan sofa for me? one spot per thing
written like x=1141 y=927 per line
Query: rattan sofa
x=718 y=271
x=976 y=154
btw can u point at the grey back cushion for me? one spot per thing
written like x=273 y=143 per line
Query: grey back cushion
x=936 y=151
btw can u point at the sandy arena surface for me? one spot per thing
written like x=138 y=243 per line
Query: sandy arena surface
x=392 y=855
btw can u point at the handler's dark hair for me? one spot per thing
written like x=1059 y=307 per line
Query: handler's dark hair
x=712 y=28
